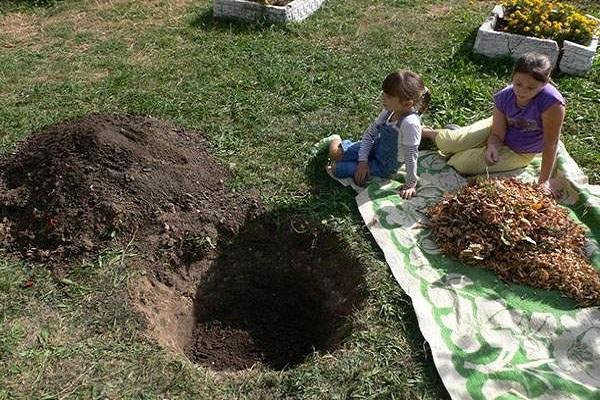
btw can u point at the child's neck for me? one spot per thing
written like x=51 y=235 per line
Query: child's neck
x=395 y=116
x=523 y=104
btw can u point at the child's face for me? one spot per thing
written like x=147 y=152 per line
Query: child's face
x=394 y=104
x=526 y=87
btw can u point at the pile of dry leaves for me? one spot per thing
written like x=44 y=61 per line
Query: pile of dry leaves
x=524 y=236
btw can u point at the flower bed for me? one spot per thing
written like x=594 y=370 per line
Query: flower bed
x=296 y=10
x=571 y=58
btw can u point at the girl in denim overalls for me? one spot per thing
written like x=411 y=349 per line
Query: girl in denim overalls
x=390 y=141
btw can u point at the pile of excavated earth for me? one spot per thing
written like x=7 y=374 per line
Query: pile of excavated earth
x=70 y=189
x=223 y=282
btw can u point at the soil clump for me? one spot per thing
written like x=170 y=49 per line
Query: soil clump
x=221 y=281
x=68 y=190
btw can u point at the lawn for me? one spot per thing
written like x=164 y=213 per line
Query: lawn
x=263 y=95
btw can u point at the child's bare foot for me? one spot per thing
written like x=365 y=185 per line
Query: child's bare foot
x=335 y=149
x=428 y=133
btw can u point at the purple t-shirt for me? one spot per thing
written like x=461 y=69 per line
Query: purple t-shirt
x=524 y=133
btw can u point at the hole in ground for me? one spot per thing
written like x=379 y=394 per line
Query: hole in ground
x=276 y=293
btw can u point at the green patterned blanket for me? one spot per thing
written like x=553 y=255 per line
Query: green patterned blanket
x=490 y=339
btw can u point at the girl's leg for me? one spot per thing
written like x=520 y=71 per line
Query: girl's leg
x=343 y=150
x=335 y=150
x=349 y=150
x=450 y=141
x=472 y=161
x=344 y=169
x=345 y=165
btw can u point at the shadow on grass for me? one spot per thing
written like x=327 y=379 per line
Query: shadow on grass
x=500 y=66
x=335 y=200
x=205 y=20
x=331 y=198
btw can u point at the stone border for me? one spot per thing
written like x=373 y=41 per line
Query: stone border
x=297 y=10
x=576 y=59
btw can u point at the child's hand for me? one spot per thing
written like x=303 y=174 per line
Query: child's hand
x=362 y=173
x=491 y=155
x=549 y=188
x=407 y=193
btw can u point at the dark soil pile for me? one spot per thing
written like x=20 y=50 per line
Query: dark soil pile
x=524 y=236
x=224 y=290
x=71 y=188
x=275 y=295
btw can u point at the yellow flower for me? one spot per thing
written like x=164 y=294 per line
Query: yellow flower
x=548 y=18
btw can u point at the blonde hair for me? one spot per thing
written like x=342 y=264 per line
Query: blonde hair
x=407 y=85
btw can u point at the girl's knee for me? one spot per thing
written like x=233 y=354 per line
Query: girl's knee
x=470 y=162
x=510 y=160
x=336 y=152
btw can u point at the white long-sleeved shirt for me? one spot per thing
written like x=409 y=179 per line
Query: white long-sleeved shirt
x=409 y=132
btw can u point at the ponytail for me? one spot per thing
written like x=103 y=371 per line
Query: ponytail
x=407 y=85
x=424 y=102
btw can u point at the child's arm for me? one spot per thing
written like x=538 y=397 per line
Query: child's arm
x=496 y=138
x=362 y=173
x=410 y=136
x=409 y=189
x=366 y=146
x=552 y=120
x=368 y=137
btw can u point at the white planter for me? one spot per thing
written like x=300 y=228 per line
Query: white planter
x=575 y=58
x=297 y=10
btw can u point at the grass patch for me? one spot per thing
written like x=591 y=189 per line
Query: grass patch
x=264 y=95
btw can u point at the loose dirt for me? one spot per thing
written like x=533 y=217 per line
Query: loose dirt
x=274 y=295
x=220 y=280
x=69 y=189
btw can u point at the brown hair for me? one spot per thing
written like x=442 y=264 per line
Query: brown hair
x=407 y=85
x=536 y=65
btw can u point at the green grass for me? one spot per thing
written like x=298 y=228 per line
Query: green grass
x=263 y=94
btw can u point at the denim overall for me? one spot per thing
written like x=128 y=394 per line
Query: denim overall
x=383 y=159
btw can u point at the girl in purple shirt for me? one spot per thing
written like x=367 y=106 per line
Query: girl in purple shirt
x=527 y=119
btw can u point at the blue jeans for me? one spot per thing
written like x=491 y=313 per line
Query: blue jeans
x=383 y=159
x=346 y=167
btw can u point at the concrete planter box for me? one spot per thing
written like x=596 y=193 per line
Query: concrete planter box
x=297 y=10
x=573 y=58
